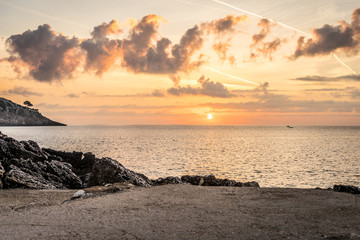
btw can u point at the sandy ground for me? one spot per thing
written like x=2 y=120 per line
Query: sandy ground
x=181 y=212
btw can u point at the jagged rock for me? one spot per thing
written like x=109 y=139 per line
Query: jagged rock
x=211 y=180
x=347 y=189
x=16 y=178
x=167 y=180
x=107 y=170
x=26 y=173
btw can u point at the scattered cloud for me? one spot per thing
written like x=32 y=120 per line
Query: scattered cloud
x=316 y=78
x=72 y=95
x=23 y=91
x=207 y=88
x=264 y=101
x=261 y=47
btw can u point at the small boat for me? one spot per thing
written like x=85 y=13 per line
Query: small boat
x=289 y=126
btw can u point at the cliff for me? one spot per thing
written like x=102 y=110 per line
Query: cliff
x=12 y=114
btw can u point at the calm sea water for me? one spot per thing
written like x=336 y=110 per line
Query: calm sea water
x=273 y=156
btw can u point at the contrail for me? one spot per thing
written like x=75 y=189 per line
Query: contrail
x=231 y=76
x=285 y=26
x=344 y=64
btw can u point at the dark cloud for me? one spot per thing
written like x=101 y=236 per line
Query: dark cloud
x=316 y=78
x=140 y=55
x=207 y=88
x=47 y=55
x=328 y=39
x=102 y=52
x=261 y=47
x=21 y=91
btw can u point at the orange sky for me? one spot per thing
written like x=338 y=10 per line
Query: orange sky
x=174 y=62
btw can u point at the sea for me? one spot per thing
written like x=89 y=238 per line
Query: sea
x=299 y=157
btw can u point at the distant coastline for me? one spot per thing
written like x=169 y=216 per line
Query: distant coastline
x=12 y=114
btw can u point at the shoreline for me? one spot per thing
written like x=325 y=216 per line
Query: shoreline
x=181 y=211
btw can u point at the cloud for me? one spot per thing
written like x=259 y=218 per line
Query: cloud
x=207 y=88
x=21 y=91
x=223 y=28
x=269 y=102
x=316 y=78
x=72 y=95
x=140 y=55
x=47 y=55
x=259 y=46
x=265 y=101
x=327 y=39
x=101 y=52
x=175 y=79
x=353 y=92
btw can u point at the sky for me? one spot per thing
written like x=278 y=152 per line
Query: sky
x=153 y=62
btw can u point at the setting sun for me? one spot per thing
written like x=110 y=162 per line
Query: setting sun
x=210 y=116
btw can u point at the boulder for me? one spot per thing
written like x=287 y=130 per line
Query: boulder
x=167 y=180
x=346 y=189
x=107 y=170
x=25 y=173
x=211 y=180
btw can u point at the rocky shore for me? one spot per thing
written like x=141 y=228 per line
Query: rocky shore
x=25 y=165
x=42 y=200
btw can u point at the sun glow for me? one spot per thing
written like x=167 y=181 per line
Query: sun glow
x=210 y=116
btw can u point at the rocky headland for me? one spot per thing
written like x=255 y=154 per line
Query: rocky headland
x=12 y=114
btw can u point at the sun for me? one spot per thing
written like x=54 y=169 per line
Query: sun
x=210 y=116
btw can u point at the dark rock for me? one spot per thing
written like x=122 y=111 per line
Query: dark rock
x=167 y=180
x=26 y=173
x=107 y=170
x=16 y=178
x=10 y=148
x=251 y=184
x=346 y=189
x=211 y=180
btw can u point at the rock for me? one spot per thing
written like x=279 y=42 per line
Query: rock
x=16 y=178
x=346 y=189
x=167 y=180
x=2 y=171
x=81 y=163
x=107 y=170
x=79 y=194
x=211 y=180
x=251 y=184
x=10 y=148
x=50 y=174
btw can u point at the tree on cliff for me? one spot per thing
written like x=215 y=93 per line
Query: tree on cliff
x=27 y=103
